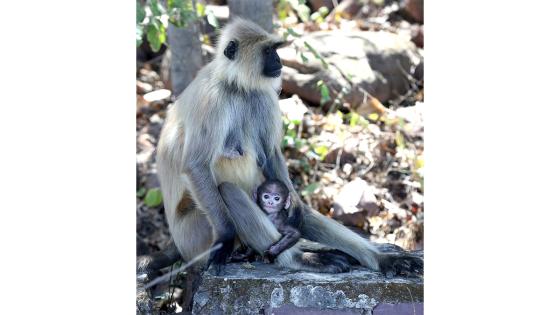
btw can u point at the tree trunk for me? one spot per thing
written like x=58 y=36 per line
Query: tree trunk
x=186 y=55
x=258 y=11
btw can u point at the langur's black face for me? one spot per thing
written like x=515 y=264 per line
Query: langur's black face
x=272 y=65
x=271 y=61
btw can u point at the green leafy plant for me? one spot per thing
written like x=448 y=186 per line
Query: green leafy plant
x=291 y=137
x=141 y=192
x=285 y=7
x=355 y=119
x=152 y=19
x=316 y=54
x=321 y=151
x=325 y=93
x=153 y=197
x=319 y=15
x=310 y=189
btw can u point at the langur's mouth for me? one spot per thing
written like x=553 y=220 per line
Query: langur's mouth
x=275 y=73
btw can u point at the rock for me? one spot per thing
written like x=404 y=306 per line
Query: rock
x=350 y=195
x=378 y=62
x=413 y=115
x=146 y=147
x=151 y=180
x=270 y=290
x=143 y=87
x=345 y=156
x=317 y=4
x=346 y=9
x=157 y=95
x=419 y=72
x=221 y=12
x=417 y=33
x=345 y=203
x=293 y=108
x=369 y=201
x=413 y=10
x=144 y=302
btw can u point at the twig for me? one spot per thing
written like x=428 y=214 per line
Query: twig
x=187 y=265
x=411 y=300
x=412 y=86
x=338 y=157
x=371 y=163
x=406 y=74
x=170 y=288
x=388 y=110
x=316 y=168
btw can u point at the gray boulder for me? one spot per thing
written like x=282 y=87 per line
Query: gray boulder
x=380 y=63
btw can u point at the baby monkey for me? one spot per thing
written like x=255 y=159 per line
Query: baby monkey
x=273 y=197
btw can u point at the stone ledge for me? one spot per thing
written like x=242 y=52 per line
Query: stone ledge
x=270 y=290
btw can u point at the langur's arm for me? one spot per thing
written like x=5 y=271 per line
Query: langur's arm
x=205 y=192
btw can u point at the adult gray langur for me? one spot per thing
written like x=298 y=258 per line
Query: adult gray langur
x=221 y=139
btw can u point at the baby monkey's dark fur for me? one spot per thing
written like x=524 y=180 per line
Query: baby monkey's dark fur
x=273 y=197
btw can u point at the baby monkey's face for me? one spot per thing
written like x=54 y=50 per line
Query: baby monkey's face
x=272 y=202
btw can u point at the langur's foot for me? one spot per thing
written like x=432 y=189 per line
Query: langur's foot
x=324 y=262
x=219 y=257
x=243 y=254
x=400 y=263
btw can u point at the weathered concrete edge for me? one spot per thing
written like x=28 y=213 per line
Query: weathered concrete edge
x=240 y=293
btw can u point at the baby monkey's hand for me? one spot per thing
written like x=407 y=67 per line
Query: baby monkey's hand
x=268 y=257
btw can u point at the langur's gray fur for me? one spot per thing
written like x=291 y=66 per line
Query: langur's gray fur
x=232 y=99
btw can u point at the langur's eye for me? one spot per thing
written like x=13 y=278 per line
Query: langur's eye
x=265 y=196
x=267 y=50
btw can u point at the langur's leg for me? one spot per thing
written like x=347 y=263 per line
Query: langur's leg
x=321 y=229
x=193 y=279
x=255 y=229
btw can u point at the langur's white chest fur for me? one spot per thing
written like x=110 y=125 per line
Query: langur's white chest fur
x=242 y=171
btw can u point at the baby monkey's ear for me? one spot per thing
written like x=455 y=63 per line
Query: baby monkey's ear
x=255 y=195
x=288 y=202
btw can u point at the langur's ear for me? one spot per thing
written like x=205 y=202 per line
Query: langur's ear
x=231 y=49
x=288 y=202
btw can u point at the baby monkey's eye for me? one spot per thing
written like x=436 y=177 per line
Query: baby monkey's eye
x=277 y=198
x=265 y=196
